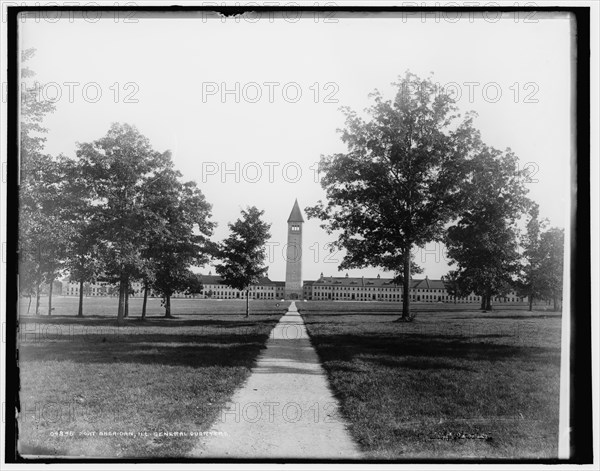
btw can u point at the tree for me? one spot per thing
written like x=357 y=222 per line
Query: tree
x=400 y=181
x=454 y=285
x=43 y=232
x=84 y=263
x=552 y=248
x=194 y=285
x=32 y=113
x=483 y=241
x=532 y=281
x=82 y=257
x=542 y=265
x=180 y=235
x=130 y=292
x=147 y=279
x=243 y=252
x=117 y=168
x=38 y=194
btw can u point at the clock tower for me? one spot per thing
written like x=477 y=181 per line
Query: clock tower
x=293 y=270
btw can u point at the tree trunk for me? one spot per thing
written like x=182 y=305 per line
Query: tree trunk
x=406 y=285
x=555 y=303
x=123 y=284
x=37 y=298
x=29 y=305
x=247 y=303
x=168 y=305
x=145 y=301
x=454 y=299
x=126 y=313
x=80 y=311
x=50 y=289
x=530 y=302
x=488 y=302
x=483 y=302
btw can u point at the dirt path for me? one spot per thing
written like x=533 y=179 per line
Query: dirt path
x=285 y=409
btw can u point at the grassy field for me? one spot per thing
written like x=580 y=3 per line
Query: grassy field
x=83 y=376
x=455 y=383
x=107 y=306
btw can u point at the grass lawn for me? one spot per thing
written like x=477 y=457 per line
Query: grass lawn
x=83 y=376
x=455 y=383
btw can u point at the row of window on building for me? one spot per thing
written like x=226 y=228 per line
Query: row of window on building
x=215 y=290
x=386 y=289
x=323 y=289
x=384 y=296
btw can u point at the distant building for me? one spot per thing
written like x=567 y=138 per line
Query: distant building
x=329 y=288
x=385 y=289
x=99 y=288
x=213 y=287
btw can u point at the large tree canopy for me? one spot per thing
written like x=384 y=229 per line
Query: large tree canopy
x=180 y=237
x=399 y=183
x=118 y=168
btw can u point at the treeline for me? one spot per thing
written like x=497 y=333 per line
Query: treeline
x=120 y=212
x=418 y=171
x=534 y=269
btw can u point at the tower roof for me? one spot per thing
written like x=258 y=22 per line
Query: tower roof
x=296 y=214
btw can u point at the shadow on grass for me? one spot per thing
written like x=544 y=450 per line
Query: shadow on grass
x=199 y=343
x=472 y=315
x=192 y=351
x=419 y=364
x=237 y=319
x=419 y=351
x=524 y=316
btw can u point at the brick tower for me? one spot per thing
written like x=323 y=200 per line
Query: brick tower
x=293 y=270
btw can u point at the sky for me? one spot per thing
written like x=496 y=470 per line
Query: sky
x=247 y=107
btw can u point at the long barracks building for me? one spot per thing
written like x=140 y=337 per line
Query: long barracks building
x=347 y=289
x=385 y=289
x=328 y=288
